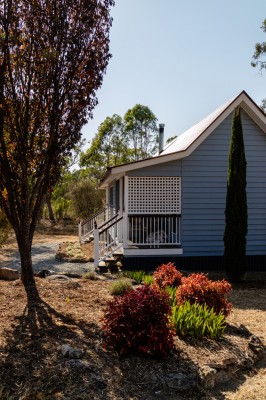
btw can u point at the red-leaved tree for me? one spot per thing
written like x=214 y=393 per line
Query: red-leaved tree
x=53 y=55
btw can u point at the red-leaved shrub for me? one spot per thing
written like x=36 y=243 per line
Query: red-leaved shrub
x=198 y=288
x=138 y=322
x=167 y=275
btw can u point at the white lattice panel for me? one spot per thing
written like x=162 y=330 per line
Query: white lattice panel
x=154 y=195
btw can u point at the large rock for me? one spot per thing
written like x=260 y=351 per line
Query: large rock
x=8 y=274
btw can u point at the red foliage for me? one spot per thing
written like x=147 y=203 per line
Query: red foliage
x=167 y=275
x=138 y=323
x=198 y=288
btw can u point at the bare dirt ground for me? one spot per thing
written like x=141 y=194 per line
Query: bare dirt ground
x=45 y=233
x=32 y=365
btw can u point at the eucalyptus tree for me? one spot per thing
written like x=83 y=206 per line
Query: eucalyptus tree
x=259 y=59
x=108 y=147
x=141 y=128
x=53 y=56
x=121 y=140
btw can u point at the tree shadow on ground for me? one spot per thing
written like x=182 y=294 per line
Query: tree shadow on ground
x=32 y=362
x=32 y=365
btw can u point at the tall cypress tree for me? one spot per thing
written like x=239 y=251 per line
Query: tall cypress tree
x=236 y=217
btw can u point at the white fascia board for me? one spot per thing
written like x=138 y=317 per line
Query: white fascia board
x=147 y=163
x=256 y=115
x=110 y=178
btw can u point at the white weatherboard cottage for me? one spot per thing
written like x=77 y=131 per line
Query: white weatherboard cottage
x=170 y=207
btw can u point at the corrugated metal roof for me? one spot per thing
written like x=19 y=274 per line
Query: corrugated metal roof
x=183 y=141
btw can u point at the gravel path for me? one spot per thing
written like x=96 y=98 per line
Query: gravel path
x=43 y=257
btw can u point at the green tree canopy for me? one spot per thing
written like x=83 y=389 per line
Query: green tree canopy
x=121 y=140
x=108 y=147
x=259 y=59
x=141 y=128
x=259 y=56
x=85 y=198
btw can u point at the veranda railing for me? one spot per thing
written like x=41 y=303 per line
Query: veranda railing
x=86 y=227
x=154 y=231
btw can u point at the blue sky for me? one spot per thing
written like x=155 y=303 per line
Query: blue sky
x=182 y=59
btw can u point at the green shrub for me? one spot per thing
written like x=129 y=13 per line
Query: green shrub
x=198 y=321
x=137 y=276
x=167 y=275
x=198 y=288
x=138 y=322
x=120 y=286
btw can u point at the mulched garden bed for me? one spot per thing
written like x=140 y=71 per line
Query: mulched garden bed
x=32 y=365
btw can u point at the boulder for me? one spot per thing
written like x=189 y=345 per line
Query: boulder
x=8 y=274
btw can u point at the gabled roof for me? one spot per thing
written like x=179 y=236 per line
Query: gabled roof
x=188 y=141
x=187 y=138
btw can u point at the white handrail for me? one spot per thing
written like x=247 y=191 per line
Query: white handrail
x=108 y=239
x=85 y=228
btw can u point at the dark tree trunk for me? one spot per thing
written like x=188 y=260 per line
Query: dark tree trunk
x=24 y=239
x=50 y=209
x=26 y=260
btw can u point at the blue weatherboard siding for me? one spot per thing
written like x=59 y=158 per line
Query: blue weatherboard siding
x=203 y=181
x=173 y=168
